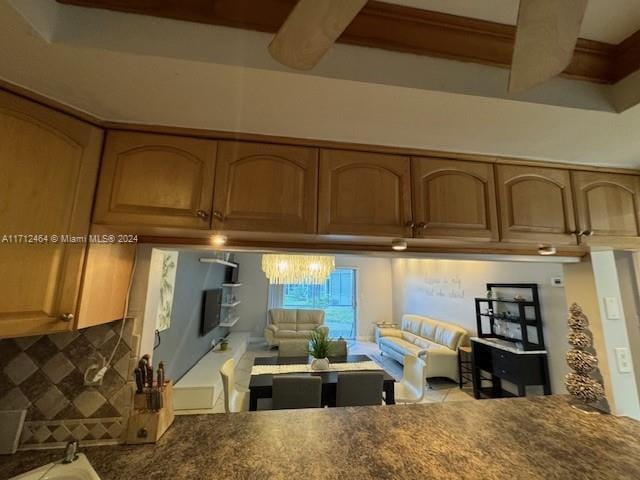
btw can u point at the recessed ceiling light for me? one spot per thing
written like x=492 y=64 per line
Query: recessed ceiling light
x=398 y=244
x=218 y=240
x=547 y=250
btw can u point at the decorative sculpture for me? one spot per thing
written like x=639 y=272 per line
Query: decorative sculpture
x=579 y=382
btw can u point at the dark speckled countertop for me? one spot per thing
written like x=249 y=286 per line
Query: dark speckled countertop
x=525 y=438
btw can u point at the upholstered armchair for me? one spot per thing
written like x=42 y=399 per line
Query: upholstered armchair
x=285 y=323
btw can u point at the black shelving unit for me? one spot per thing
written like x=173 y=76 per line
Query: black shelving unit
x=510 y=343
x=501 y=311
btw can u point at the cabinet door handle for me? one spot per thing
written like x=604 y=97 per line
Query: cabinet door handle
x=67 y=317
x=410 y=224
x=218 y=215
x=420 y=226
x=582 y=233
x=202 y=214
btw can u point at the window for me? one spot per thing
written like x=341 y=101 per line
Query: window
x=337 y=297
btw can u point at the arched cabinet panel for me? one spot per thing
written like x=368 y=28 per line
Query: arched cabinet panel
x=48 y=169
x=266 y=188
x=454 y=198
x=607 y=204
x=156 y=180
x=536 y=204
x=364 y=193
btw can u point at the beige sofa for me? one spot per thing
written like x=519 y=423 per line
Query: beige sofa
x=292 y=323
x=434 y=341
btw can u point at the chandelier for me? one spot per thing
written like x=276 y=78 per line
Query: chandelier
x=299 y=269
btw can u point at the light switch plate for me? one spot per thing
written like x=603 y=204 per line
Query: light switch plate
x=623 y=360
x=612 y=308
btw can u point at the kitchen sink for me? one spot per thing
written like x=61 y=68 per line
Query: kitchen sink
x=79 y=469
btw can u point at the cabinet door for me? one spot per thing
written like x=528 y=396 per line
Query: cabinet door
x=454 y=198
x=364 y=193
x=536 y=204
x=266 y=188
x=48 y=169
x=607 y=204
x=156 y=180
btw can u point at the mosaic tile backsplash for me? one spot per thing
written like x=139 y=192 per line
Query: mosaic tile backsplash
x=45 y=375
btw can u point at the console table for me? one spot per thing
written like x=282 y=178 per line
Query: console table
x=504 y=362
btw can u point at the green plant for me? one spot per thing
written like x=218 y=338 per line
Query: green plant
x=319 y=345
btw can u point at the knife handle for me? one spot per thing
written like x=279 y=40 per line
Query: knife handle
x=150 y=376
x=138 y=377
x=142 y=366
x=161 y=376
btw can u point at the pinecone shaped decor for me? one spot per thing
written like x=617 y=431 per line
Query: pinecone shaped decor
x=579 y=383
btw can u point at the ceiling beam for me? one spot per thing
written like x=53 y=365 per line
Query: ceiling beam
x=385 y=26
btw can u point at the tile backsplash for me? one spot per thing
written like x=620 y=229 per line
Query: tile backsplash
x=45 y=375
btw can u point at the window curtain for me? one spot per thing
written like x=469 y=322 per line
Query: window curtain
x=276 y=295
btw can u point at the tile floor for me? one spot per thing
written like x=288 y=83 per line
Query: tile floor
x=440 y=390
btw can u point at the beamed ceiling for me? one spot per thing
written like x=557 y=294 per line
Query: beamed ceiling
x=398 y=28
x=179 y=64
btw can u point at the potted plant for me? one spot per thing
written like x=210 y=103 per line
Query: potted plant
x=319 y=349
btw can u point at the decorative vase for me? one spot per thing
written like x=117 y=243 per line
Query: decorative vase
x=320 y=364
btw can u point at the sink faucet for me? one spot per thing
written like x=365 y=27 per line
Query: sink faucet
x=70 y=454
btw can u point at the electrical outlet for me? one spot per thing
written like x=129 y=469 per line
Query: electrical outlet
x=90 y=373
x=623 y=360
x=94 y=373
x=557 y=282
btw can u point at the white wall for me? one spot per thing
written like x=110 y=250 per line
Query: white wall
x=375 y=299
x=445 y=289
x=373 y=278
x=628 y=267
x=253 y=293
x=608 y=280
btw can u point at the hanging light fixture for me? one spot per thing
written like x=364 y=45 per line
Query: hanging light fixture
x=305 y=269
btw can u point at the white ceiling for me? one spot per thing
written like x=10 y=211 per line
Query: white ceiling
x=608 y=21
x=140 y=86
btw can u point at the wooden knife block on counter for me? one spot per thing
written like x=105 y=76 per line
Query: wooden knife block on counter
x=147 y=426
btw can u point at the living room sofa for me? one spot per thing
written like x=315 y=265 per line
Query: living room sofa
x=434 y=341
x=285 y=323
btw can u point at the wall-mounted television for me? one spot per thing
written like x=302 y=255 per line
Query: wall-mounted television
x=211 y=307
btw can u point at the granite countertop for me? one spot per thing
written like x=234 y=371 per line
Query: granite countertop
x=523 y=438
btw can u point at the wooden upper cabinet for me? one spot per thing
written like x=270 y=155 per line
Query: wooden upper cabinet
x=607 y=204
x=48 y=169
x=536 y=204
x=265 y=188
x=454 y=199
x=156 y=180
x=364 y=193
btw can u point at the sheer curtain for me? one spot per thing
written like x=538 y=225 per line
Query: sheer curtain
x=276 y=294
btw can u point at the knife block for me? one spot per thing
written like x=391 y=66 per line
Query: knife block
x=147 y=426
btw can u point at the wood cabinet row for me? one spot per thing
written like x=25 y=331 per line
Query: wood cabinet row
x=51 y=173
x=169 y=181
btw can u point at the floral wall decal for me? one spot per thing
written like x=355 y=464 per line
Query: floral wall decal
x=167 y=284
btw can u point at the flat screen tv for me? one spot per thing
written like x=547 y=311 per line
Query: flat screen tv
x=211 y=306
